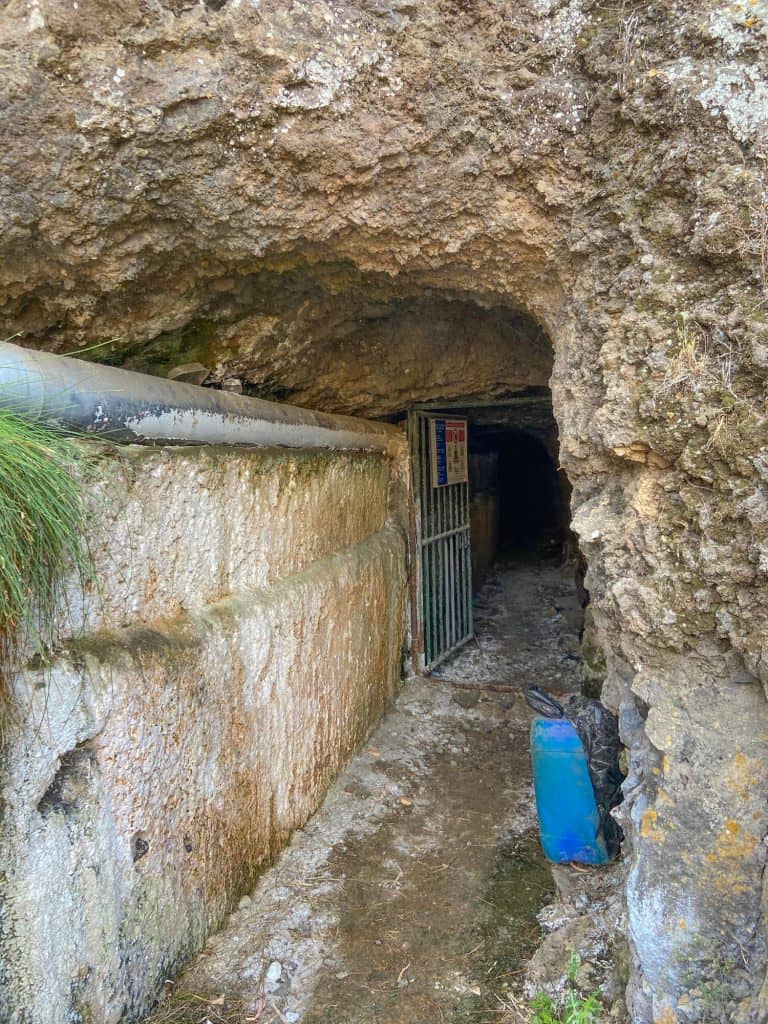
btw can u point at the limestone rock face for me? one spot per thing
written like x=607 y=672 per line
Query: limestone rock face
x=359 y=205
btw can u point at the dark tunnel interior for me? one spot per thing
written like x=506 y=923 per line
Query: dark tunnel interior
x=520 y=499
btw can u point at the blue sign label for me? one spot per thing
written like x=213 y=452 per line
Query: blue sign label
x=441 y=454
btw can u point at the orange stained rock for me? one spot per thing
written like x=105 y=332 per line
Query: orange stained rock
x=666 y=1016
x=649 y=828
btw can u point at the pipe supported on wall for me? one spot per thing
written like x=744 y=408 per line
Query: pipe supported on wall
x=126 y=406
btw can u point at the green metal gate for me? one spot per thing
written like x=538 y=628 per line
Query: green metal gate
x=442 y=563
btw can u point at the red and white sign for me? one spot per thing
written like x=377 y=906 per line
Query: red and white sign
x=448 y=444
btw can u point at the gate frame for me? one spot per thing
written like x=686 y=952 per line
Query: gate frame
x=419 y=466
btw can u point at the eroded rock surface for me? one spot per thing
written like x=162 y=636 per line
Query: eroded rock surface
x=272 y=186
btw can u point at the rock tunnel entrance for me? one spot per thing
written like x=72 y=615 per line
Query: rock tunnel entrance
x=517 y=523
x=411 y=896
x=434 y=817
x=440 y=797
x=336 y=205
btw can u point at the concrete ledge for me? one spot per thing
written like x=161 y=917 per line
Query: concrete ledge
x=175 y=529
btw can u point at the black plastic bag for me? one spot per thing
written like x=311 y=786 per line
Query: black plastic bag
x=544 y=703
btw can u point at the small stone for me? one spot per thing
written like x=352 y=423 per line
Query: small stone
x=571 y=644
x=274 y=972
x=140 y=846
x=244 y=903
x=465 y=698
x=341 y=975
x=189 y=373
x=291 y=1016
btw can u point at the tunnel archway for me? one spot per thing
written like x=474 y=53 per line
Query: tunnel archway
x=330 y=337
x=334 y=338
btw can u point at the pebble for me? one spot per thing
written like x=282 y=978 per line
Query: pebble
x=274 y=972
x=466 y=698
x=291 y=1016
x=244 y=903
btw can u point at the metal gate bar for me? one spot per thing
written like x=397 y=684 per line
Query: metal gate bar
x=442 y=570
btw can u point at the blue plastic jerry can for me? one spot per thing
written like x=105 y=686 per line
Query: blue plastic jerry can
x=569 y=820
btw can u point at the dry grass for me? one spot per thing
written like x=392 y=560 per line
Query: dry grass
x=628 y=32
x=514 y=1010
x=720 y=435
x=696 y=366
x=707 y=371
x=177 y=1006
x=754 y=235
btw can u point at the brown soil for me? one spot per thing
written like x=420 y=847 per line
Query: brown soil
x=421 y=934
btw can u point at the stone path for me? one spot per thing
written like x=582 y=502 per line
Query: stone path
x=411 y=896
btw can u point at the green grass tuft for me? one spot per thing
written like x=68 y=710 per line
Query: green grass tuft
x=574 y=1008
x=42 y=535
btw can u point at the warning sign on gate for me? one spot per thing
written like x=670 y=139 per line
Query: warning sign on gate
x=448 y=448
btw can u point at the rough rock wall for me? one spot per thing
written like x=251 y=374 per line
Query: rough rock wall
x=261 y=178
x=243 y=643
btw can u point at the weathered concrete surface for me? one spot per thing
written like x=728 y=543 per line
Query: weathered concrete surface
x=178 y=528
x=154 y=769
x=251 y=185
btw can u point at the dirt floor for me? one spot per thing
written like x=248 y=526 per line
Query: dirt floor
x=411 y=896
x=527 y=623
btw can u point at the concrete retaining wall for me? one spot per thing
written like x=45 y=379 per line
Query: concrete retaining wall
x=244 y=634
